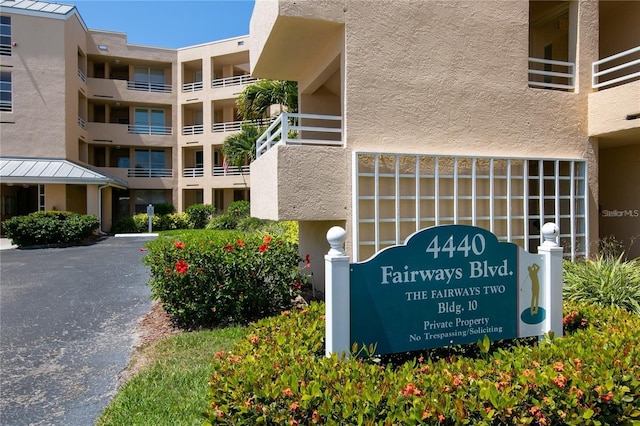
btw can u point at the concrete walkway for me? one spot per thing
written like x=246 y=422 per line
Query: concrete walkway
x=5 y=244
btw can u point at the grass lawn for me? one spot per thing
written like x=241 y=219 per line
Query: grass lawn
x=173 y=389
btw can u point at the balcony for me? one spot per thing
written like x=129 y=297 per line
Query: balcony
x=236 y=126
x=193 y=172
x=128 y=91
x=301 y=129
x=614 y=108
x=149 y=173
x=82 y=123
x=232 y=81
x=192 y=87
x=143 y=129
x=127 y=134
x=148 y=87
x=196 y=129
x=302 y=170
x=230 y=171
x=617 y=69
x=82 y=76
x=553 y=75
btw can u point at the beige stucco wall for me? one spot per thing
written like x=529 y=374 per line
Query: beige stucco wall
x=38 y=63
x=608 y=109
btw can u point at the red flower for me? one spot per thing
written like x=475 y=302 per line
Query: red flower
x=287 y=392
x=179 y=245
x=228 y=247
x=182 y=267
x=267 y=239
x=307 y=259
x=143 y=249
x=241 y=243
x=263 y=248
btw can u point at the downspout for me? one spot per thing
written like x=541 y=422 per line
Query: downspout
x=100 y=188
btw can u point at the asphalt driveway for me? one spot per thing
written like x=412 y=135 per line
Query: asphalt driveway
x=67 y=324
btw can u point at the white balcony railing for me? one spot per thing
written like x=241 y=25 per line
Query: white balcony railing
x=192 y=87
x=196 y=129
x=620 y=72
x=82 y=123
x=232 y=81
x=150 y=173
x=193 y=172
x=552 y=79
x=141 y=129
x=82 y=76
x=287 y=129
x=234 y=126
x=230 y=171
x=148 y=87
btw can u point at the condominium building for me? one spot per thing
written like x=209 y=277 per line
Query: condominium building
x=92 y=124
x=498 y=114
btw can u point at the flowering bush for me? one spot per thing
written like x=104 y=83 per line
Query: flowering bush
x=231 y=278
x=278 y=374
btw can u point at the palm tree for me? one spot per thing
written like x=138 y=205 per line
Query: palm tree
x=254 y=101
x=240 y=148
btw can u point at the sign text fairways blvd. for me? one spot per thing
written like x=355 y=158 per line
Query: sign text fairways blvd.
x=447 y=285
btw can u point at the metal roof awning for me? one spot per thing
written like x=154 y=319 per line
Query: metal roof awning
x=52 y=171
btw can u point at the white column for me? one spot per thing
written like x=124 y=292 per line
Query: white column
x=337 y=316
x=552 y=254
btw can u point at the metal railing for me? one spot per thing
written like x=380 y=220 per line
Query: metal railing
x=552 y=79
x=287 y=129
x=230 y=171
x=627 y=75
x=234 y=126
x=82 y=76
x=232 y=81
x=143 y=86
x=196 y=129
x=82 y=123
x=193 y=172
x=141 y=129
x=192 y=87
x=5 y=49
x=150 y=173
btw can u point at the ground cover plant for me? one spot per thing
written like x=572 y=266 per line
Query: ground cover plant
x=207 y=279
x=50 y=227
x=278 y=374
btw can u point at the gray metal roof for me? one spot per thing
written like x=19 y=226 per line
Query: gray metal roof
x=40 y=170
x=43 y=6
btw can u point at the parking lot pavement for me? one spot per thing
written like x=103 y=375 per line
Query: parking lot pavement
x=67 y=322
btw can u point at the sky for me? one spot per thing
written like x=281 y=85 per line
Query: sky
x=164 y=23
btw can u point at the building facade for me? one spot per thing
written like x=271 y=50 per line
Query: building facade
x=498 y=114
x=93 y=124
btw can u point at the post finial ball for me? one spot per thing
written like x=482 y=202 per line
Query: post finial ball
x=336 y=237
x=550 y=234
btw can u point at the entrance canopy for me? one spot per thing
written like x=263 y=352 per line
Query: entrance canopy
x=52 y=171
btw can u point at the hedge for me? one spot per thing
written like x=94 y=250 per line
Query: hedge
x=278 y=374
x=50 y=227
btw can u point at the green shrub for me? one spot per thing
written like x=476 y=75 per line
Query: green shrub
x=50 y=227
x=199 y=215
x=165 y=222
x=124 y=225
x=251 y=224
x=223 y=222
x=230 y=278
x=278 y=374
x=162 y=209
x=239 y=209
x=605 y=281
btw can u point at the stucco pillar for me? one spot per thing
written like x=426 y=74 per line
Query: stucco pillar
x=92 y=200
x=587 y=36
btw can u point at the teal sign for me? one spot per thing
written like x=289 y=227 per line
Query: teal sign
x=446 y=285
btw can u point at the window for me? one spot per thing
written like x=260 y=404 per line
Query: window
x=6 y=99
x=149 y=79
x=144 y=197
x=5 y=35
x=150 y=122
x=151 y=161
